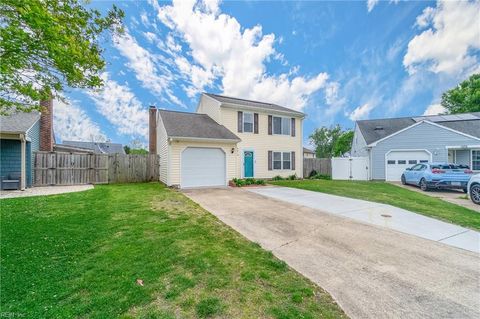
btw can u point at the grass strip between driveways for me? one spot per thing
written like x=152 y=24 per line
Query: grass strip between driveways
x=386 y=193
x=142 y=251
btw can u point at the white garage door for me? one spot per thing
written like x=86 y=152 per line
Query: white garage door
x=203 y=167
x=398 y=161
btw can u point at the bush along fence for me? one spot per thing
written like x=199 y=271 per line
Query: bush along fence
x=57 y=168
x=317 y=166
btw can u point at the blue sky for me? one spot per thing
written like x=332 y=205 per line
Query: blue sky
x=336 y=61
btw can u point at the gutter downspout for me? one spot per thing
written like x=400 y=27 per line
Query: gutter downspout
x=369 y=150
x=23 y=163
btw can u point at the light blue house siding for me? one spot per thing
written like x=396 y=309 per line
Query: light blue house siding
x=424 y=136
x=9 y=157
x=11 y=152
x=359 y=146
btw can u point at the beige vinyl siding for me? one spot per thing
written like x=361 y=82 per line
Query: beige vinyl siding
x=210 y=107
x=308 y=155
x=162 y=150
x=176 y=148
x=261 y=143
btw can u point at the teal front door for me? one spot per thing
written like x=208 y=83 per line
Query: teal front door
x=248 y=163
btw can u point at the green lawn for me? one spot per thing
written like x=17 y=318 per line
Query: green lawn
x=386 y=193
x=80 y=255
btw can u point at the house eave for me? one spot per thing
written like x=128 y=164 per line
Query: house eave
x=266 y=110
x=203 y=139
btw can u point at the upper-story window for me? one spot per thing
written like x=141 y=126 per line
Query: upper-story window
x=248 y=122
x=281 y=125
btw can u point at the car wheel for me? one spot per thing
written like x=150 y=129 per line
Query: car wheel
x=475 y=194
x=423 y=185
x=404 y=181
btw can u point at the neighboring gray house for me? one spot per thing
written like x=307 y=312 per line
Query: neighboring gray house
x=308 y=153
x=95 y=147
x=392 y=145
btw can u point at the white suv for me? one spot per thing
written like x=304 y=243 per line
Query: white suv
x=474 y=189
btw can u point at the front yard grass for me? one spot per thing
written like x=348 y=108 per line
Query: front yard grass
x=386 y=193
x=141 y=251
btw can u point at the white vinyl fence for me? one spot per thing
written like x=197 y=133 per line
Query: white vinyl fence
x=350 y=168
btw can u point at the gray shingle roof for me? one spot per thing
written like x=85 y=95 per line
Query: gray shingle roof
x=183 y=124
x=18 y=122
x=252 y=104
x=374 y=130
x=471 y=127
x=97 y=147
x=307 y=150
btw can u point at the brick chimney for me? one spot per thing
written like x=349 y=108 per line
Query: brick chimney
x=46 y=125
x=152 y=130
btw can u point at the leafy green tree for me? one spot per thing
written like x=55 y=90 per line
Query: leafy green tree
x=139 y=151
x=47 y=45
x=343 y=144
x=464 y=98
x=127 y=149
x=324 y=139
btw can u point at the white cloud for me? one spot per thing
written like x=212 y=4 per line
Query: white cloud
x=235 y=55
x=149 y=68
x=361 y=112
x=371 y=4
x=121 y=108
x=451 y=42
x=150 y=36
x=70 y=122
x=425 y=18
x=394 y=50
x=435 y=109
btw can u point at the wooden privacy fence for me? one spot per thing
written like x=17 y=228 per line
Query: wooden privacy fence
x=320 y=165
x=57 y=168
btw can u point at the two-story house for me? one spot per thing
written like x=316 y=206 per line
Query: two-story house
x=226 y=138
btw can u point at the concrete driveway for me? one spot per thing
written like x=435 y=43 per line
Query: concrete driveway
x=372 y=271
x=380 y=215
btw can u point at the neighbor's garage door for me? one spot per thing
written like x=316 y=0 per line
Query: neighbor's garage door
x=398 y=161
x=203 y=167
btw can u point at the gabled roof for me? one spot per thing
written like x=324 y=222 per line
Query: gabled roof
x=97 y=147
x=307 y=150
x=194 y=125
x=18 y=122
x=377 y=129
x=253 y=104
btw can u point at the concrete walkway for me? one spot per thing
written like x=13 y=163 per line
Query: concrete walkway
x=380 y=215
x=371 y=271
x=45 y=190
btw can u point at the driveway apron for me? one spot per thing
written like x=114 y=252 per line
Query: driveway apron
x=379 y=214
x=372 y=271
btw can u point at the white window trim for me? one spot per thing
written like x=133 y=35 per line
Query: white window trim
x=471 y=159
x=273 y=125
x=243 y=122
x=281 y=161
